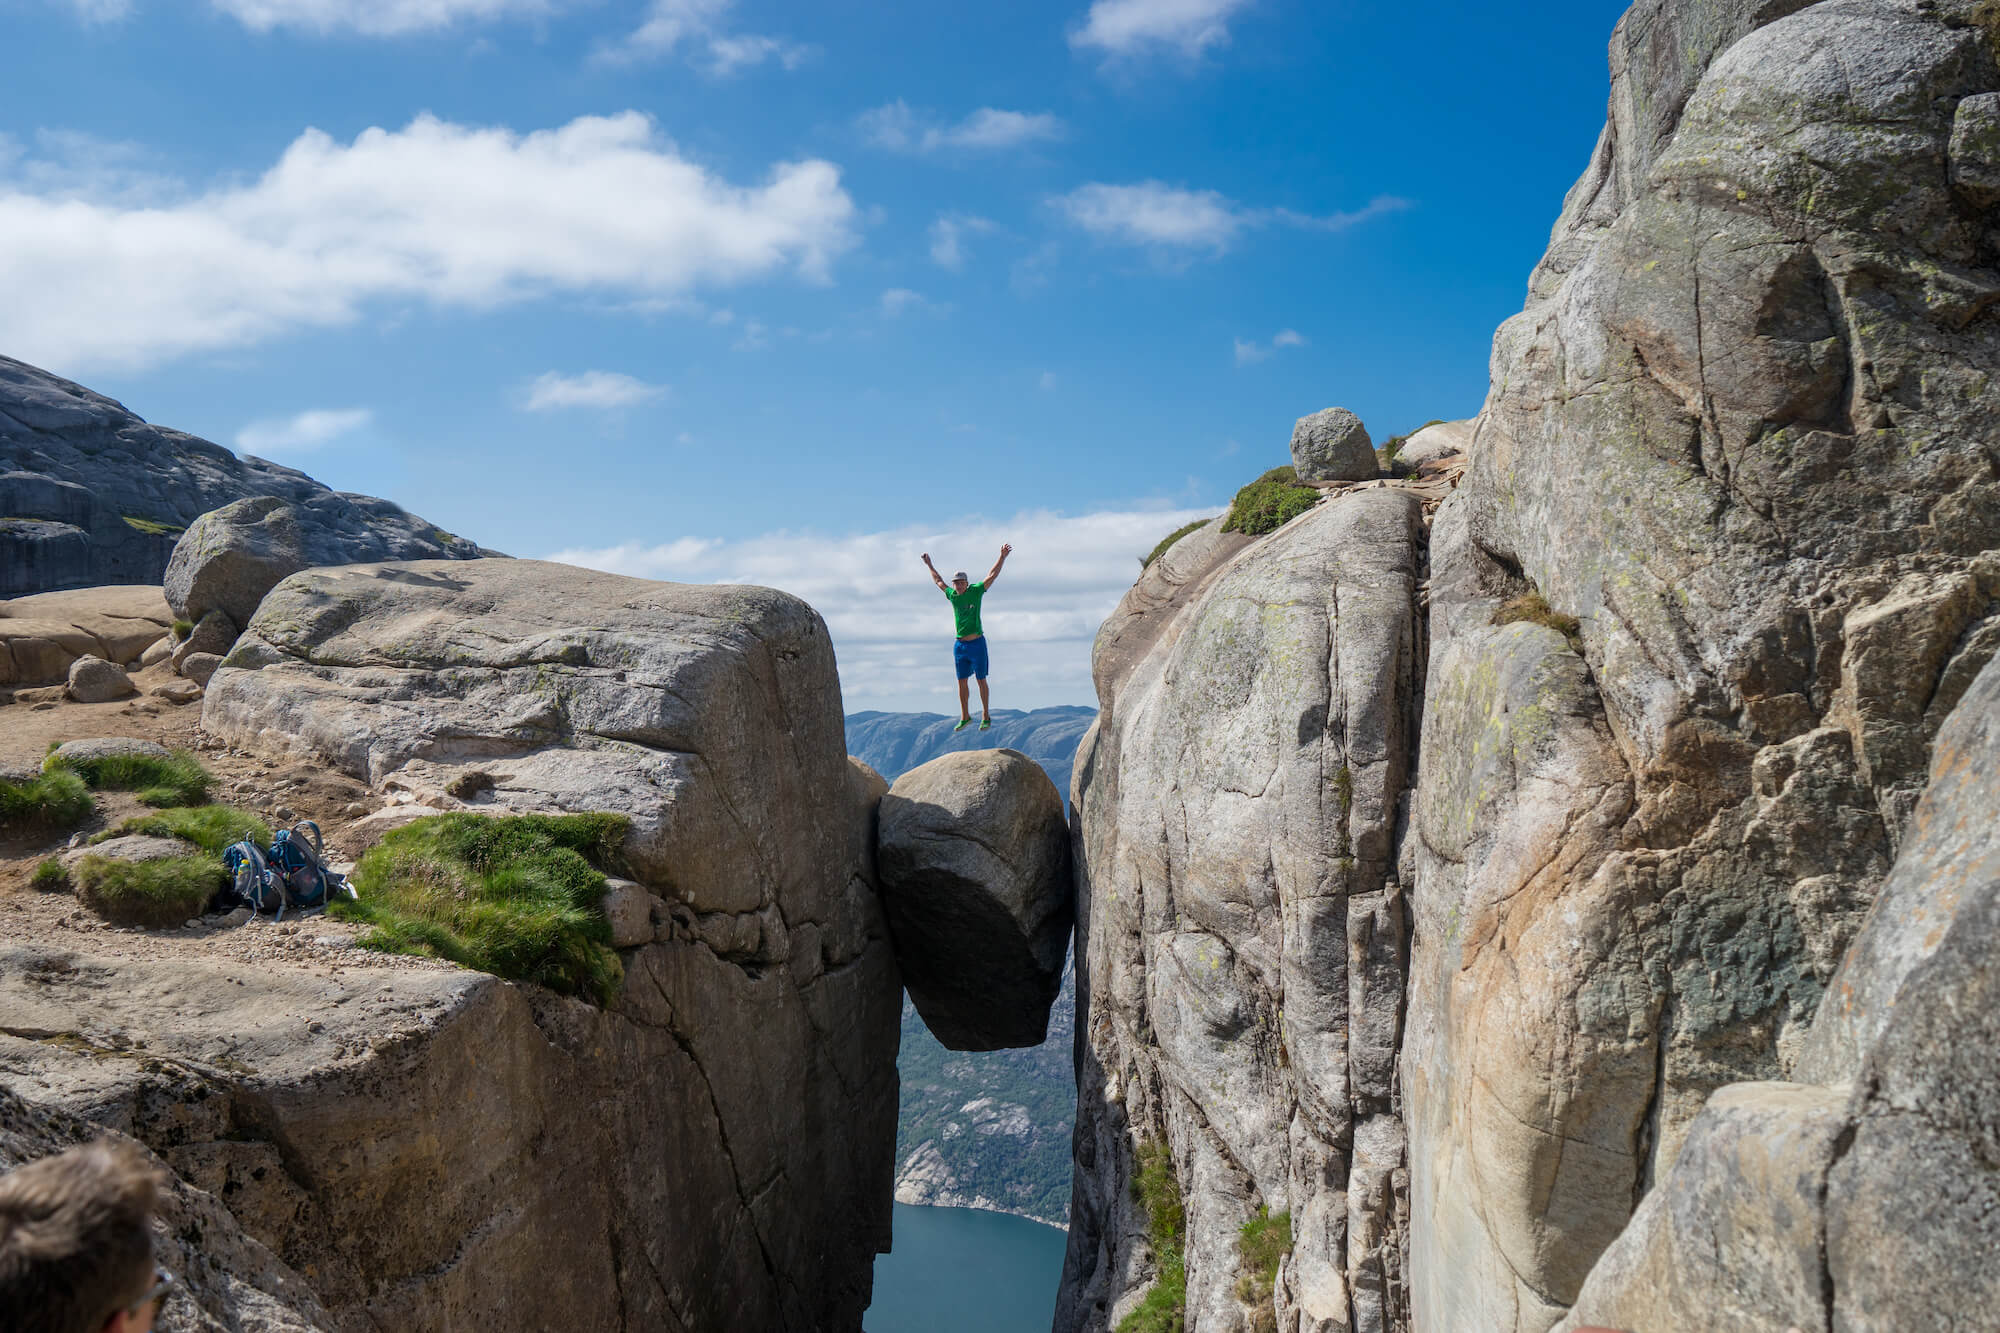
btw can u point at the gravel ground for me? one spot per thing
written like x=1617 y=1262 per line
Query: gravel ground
x=279 y=793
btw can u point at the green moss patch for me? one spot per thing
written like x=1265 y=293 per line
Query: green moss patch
x=1146 y=561
x=1270 y=502
x=154 y=894
x=520 y=896
x=209 y=827
x=51 y=802
x=151 y=526
x=1164 y=1309
x=177 y=780
x=1535 y=608
x=1261 y=1243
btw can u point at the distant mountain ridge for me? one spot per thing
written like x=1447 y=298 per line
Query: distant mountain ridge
x=988 y=1130
x=894 y=743
x=91 y=494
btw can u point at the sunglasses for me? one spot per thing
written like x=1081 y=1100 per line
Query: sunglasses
x=163 y=1287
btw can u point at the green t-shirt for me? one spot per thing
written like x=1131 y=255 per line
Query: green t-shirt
x=965 y=608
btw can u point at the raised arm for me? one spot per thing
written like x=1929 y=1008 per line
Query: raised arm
x=994 y=573
x=935 y=576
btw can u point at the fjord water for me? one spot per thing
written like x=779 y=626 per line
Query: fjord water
x=964 y=1270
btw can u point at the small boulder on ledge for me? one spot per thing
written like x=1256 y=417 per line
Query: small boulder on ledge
x=92 y=680
x=1333 y=445
x=973 y=856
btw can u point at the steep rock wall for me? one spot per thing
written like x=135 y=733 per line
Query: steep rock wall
x=1727 y=556
x=433 y=1148
x=1239 y=931
x=1742 y=433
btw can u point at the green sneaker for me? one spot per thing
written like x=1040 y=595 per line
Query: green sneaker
x=963 y=723
x=986 y=724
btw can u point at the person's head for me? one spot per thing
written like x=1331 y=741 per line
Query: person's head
x=960 y=582
x=76 y=1243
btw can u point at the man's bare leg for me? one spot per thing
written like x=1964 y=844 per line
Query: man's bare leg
x=985 y=709
x=965 y=699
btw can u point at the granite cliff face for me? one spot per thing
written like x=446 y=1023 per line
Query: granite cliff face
x=429 y=1147
x=90 y=494
x=1726 y=559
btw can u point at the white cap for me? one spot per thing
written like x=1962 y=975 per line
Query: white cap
x=960 y=577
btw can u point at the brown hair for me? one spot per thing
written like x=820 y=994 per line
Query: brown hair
x=76 y=1244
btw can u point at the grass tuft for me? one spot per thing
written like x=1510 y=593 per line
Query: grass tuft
x=209 y=827
x=1146 y=561
x=1535 y=608
x=1262 y=1242
x=182 y=628
x=177 y=780
x=50 y=877
x=1164 y=1310
x=153 y=894
x=1270 y=502
x=53 y=801
x=520 y=896
x=150 y=526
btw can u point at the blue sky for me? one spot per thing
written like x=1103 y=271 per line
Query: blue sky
x=718 y=290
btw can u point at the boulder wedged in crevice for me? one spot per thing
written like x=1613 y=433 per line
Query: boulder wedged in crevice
x=972 y=855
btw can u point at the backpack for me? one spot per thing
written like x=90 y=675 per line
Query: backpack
x=290 y=874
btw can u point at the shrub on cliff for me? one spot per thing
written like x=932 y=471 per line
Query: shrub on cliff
x=520 y=896
x=1262 y=1242
x=1270 y=502
x=209 y=827
x=179 y=779
x=153 y=894
x=1146 y=561
x=1165 y=1308
x=51 y=802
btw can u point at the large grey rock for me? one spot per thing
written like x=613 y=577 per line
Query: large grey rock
x=132 y=847
x=1434 y=442
x=717 y=1149
x=198 y=667
x=973 y=856
x=90 y=494
x=1863 y=1199
x=1240 y=929
x=1742 y=434
x=214 y=633
x=224 y=1279
x=1975 y=150
x=107 y=747
x=1333 y=445
x=92 y=680
x=230 y=557
x=41 y=636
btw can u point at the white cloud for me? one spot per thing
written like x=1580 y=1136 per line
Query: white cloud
x=1048 y=380
x=374 y=18
x=898 y=128
x=600 y=389
x=948 y=235
x=1166 y=218
x=277 y=437
x=890 y=625
x=1248 y=353
x=446 y=214
x=1139 y=27
x=899 y=299
x=696 y=28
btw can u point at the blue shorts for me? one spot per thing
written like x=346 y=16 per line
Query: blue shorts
x=969 y=656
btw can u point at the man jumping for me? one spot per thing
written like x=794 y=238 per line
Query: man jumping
x=969 y=653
